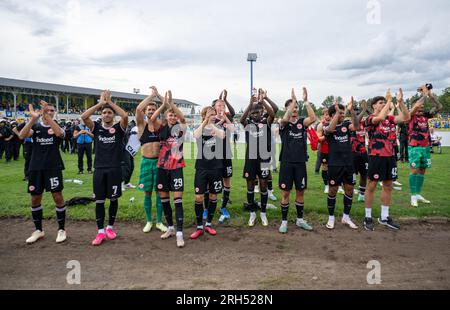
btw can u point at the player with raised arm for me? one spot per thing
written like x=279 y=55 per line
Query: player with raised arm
x=323 y=149
x=225 y=120
x=171 y=164
x=380 y=128
x=419 y=142
x=293 y=158
x=107 y=177
x=46 y=167
x=208 y=168
x=359 y=150
x=148 y=134
x=257 y=155
x=340 y=164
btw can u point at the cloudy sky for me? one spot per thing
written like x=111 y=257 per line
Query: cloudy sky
x=196 y=48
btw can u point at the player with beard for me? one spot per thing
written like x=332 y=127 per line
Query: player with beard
x=208 y=168
x=148 y=134
x=107 y=176
x=419 y=142
x=380 y=128
x=46 y=167
x=257 y=155
x=293 y=157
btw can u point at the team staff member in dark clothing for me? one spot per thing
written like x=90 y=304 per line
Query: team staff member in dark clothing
x=45 y=168
x=7 y=135
x=403 y=139
x=108 y=154
x=257 y=155
x=84 y=137
x=27 y=150
x=170 y=165
x=380 y=128
x=340 y=160
x=73 y=140
x=66 y=145
x=208 y=168
x=15 y=141
x=293 y=157
x=2 y=137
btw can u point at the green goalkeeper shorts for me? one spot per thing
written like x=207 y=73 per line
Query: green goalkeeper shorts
x=419 y=157
x=149 y=171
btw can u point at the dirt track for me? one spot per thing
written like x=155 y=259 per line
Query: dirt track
x=416 y=257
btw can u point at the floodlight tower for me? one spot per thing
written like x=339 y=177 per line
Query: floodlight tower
x=251 y=58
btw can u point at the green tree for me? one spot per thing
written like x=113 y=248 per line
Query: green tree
x=329 y=100
x=410 y=101
x=303 y=111
x=444 y=99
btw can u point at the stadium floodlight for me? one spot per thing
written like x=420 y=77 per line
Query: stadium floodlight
x=251 y=57
x=136 y=90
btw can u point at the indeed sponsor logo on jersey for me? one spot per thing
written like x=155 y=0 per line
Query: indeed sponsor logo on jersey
x=341 y=138
x=172 y=141
x=44 y=141
x=210 y=142
x=256 y=134
x=107 y=139
x=298 y=135
x=422 y=125
x=384 y=129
